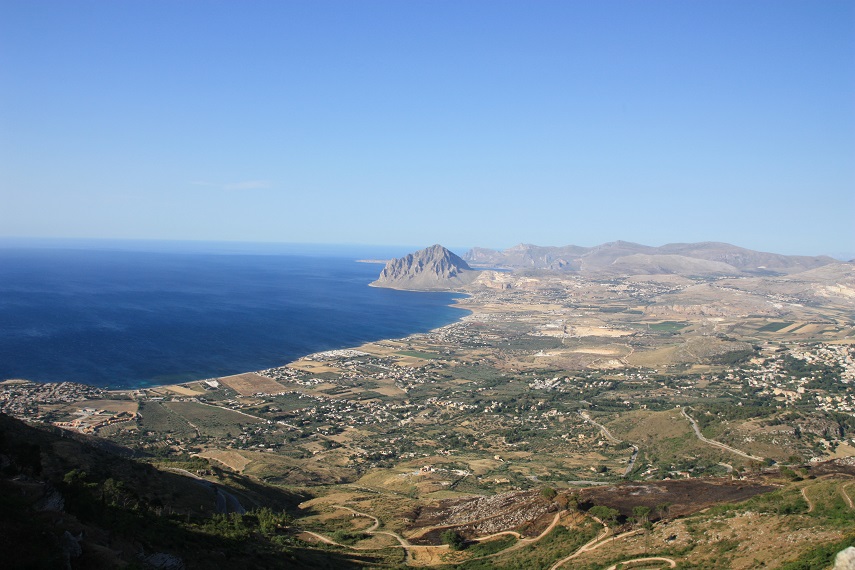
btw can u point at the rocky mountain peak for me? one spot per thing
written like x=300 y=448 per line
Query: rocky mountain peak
x=432 y=268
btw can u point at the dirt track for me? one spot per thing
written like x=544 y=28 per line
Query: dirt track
x=716 y=443
x=670 y=562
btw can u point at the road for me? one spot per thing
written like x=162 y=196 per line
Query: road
x=671 y=563
x=224 y=501
x=846 y=496
x=716 y=443
x=594 y=543
x=608 y=435
x=808 y=501
x=409 y=548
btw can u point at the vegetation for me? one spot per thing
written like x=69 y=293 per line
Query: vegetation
x=453 y=539
x=820 y=557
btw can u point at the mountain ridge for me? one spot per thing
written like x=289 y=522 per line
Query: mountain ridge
x=693 y=259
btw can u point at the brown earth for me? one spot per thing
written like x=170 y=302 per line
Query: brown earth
x=251 y=383
x=684 y=497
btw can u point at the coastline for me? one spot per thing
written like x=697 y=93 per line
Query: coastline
x=122 y=321
x=304 y=362
x=98 y=407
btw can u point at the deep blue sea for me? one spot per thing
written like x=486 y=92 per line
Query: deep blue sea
x=123 y=318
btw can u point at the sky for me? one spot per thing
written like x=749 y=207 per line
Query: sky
x=466 y=123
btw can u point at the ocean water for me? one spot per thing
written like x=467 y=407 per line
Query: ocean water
x=124 y=318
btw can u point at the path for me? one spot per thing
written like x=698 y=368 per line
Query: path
x=671 y=563
x=373 y=527
x=716 y=443
x=594 y=543
x=222 y=499
x=808 y=501
x=846 y=496
x=584 y=548
x=403 y=542
x=409 y=548
x=608 y=435
x=526 y=541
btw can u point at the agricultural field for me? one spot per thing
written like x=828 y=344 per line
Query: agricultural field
x=250 y=383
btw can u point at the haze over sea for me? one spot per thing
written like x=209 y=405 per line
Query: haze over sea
x=137 y=315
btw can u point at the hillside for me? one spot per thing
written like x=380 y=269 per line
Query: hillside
x=66 y=502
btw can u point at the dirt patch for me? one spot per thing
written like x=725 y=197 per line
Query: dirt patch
x=231 y=459
x=251 y=383
x=683 y=497
x=389 y=391
x=313 y=367
x=115 y=406
x=183 y=390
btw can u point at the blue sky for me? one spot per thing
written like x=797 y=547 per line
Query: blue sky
x=407 y=122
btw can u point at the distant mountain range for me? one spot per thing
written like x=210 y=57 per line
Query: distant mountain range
x=626 y=258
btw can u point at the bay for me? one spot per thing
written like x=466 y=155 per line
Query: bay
x=126 y=317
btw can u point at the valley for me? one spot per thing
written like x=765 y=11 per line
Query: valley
x=696 y=421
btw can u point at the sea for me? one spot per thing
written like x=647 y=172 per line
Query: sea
x=137 y=314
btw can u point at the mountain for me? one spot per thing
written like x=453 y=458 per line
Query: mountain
x=690 y=259
x=432 y=269
x=68 y=500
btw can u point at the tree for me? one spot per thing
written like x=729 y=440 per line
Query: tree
x=548 y=493
x=453 y=539
x=606 y=514
x=641 y=514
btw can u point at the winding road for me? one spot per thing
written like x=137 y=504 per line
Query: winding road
x=713 y=442
x=225 y=502
x=594 y=543
x=608 y=435
x=671 y=563
x=409 y=548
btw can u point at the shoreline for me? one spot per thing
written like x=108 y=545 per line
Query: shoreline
x=181 y=388
x=177 y=388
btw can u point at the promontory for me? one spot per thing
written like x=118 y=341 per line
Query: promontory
x=431 y=269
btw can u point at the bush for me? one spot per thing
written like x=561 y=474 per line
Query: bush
x=453 y=539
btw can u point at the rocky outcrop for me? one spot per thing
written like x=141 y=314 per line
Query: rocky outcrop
x=431 y=269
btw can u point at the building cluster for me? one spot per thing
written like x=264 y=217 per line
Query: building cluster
x=774 y=376
x=34 y=400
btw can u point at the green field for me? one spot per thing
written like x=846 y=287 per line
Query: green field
x=419 y=354
x=155 y=417
x=668 y=326
x=211 y=420
x=775 y=326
